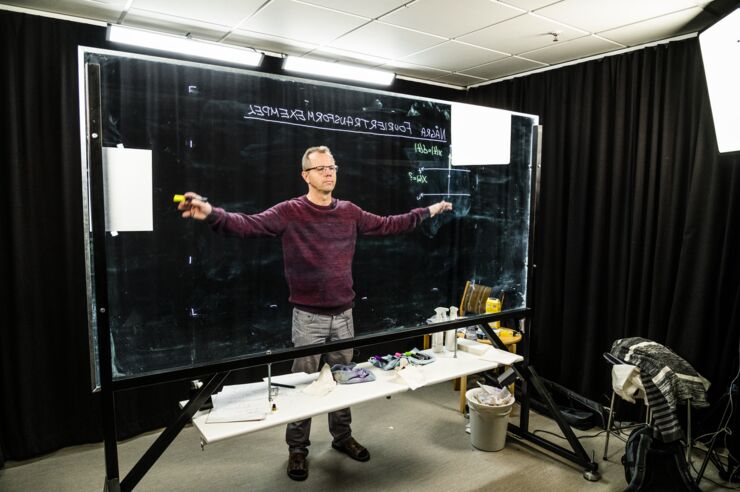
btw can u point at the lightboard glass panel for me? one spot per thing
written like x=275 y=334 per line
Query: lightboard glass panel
x=181 y=295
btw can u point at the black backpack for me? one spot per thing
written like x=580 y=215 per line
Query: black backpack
x=650 y=464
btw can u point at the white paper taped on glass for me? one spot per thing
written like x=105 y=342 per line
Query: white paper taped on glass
x=480 y=136
x=127 y=180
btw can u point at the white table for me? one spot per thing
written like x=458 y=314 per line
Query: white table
x=294 y=405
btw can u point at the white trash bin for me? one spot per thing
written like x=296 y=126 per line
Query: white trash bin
x=488 y=423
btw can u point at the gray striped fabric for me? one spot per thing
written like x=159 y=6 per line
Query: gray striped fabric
x=667 y=379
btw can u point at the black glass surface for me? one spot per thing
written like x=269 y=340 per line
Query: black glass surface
x=181 y=295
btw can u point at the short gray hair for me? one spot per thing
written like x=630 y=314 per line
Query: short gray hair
x=305 y=162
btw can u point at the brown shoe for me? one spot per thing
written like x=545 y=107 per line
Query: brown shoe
x=353 y=449
x=297 y=466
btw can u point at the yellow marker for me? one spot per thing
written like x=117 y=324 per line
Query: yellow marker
x=183 y=198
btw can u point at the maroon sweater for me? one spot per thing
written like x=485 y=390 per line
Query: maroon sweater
x=318 y=244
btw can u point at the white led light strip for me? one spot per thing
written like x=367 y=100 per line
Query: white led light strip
x=337 y=70
x=177 y=44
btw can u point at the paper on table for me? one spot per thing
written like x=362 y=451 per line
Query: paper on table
x=501 y=356
x=239 y=411
x=238 y=403
x=413 y=376
x=247 y=391
x=323 y=385
x=127 y=179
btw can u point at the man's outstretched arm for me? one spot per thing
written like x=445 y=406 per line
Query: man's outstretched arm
x=376 y=225
x=267 y=223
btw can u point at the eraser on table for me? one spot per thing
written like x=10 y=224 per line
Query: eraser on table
x=472 y=346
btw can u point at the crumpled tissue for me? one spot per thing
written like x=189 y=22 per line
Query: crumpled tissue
x=323 y=385
x=495 y=397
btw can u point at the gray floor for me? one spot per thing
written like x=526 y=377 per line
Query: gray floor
x=417 y=441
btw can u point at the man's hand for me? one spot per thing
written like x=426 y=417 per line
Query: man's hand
x=439 y=208
x=194 y=208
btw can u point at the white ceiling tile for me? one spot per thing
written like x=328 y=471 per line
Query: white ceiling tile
x=433 y=16
x=502 y=68
x=108 y=11
x=267 y=42
x=146 y=19
x=295 y=20
x=343 y=30
x=563 y=51
x=654 y=29
x=411 y=70
x=459 y=79
x=386 y=41
x=372 y=9
x=596 y=16
x=336 y=54
x=530 y=4
x=520 y=34
x=454 y=56
x=223 y=12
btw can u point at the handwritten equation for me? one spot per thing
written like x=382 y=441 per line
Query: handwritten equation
x=441 y=181
x=344 y=123
x=433 y=150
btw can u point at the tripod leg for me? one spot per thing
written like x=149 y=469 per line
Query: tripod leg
x=710 y=452
x=688 y=430
x=609 y=425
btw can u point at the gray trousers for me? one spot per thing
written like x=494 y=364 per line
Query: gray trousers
x=308 y=329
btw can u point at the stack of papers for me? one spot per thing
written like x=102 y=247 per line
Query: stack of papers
x=239 y=403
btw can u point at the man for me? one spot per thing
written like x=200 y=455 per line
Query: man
x=318 y=234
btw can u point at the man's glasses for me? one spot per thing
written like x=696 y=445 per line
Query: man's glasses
x=321 y=169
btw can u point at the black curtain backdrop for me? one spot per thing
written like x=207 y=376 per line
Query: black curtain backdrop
x=45 y=386
x=638 y=233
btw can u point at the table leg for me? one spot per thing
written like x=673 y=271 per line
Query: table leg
x=512 y=349
x=463 y=389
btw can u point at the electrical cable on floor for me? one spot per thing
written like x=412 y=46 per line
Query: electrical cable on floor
x=619 y=435
x=729 y=406
x=620 y=430
x=691 y=463
x=696 y=472
x=563 y=437
x=727 y=431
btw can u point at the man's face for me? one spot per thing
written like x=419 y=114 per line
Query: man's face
x=322 y=180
